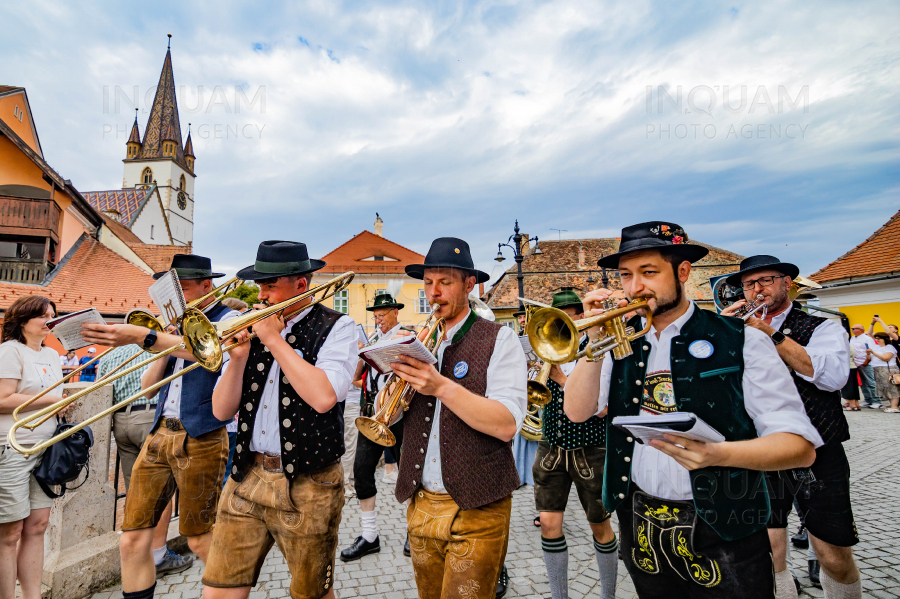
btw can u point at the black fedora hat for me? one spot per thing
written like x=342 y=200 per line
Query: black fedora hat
x=191 y=266
x=448 y=252
x=762 y=262
x=385 y=300
x=654 y=235
x=279 y=259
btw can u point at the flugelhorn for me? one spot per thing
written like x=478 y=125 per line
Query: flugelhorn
x=394 y=397
x=201 y=337
x=554 y=336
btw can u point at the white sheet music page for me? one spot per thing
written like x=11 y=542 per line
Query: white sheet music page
x=67 y=329
x=167 y=295
x=382 y=354
x=684 y=424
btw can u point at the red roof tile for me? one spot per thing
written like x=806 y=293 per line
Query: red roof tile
x=91 y=275
x=158 y=257
x=879 y=254
x=127 y=202
x=352 y=256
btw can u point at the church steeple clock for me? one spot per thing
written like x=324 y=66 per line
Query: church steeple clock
x=161 y=157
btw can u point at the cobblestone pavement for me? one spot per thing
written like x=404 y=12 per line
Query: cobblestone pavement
x=388 y=575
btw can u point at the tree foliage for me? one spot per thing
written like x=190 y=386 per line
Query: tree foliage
x=246 y=292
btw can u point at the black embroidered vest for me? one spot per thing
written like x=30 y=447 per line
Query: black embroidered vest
x=733 y=501
x=823 y=407
x=309 y=440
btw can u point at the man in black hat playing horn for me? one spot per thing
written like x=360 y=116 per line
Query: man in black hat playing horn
x=815 y=349
x=286 y=483
x=692 y=515
x=386 y=311
x=187 y=447
x=457 y=464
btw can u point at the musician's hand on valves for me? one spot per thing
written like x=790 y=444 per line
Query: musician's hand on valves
x=593 y=303
x=730 y=310
x=269 y=329
x=422 y=377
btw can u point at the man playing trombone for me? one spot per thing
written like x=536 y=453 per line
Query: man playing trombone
x=692 y=515
x=386 y=312
x=457 y=464
x=286 y=483
x=187 y=447
x=572 y=452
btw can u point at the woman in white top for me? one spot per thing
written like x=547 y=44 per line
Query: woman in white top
x=884 y=363
x=26 y=367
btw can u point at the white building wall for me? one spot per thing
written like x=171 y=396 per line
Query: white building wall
x=167 y=175
x=150 y=225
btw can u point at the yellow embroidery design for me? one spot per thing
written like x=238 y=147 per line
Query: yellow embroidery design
x=662 y=514
x=643 y=556
x=700 y=574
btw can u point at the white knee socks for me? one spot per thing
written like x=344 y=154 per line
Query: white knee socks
x=784 y=585
x=369 y=526
x=835 y=590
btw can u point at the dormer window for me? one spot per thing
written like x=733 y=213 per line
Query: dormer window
x=379 y=259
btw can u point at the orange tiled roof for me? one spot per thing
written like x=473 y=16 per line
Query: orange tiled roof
x=879 y=254
x=558 y=267
x=91 y=275
x=127 y=202
x=352 y=256
x=158 y=257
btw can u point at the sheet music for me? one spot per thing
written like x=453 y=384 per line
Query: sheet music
x=67 y=329
x=361 y=333
x=167 y=295
x=684 y=424
x=526 y=347
x=381 y=354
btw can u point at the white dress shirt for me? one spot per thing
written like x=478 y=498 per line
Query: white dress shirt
x=172 y=406
x=507 y=374
x=827 y=350
x=770 y=399
x=337 y=358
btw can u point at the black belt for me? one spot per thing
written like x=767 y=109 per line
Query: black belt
x=138 y=408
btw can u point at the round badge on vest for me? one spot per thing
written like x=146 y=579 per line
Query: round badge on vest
x=460 y=370
x=701 y=349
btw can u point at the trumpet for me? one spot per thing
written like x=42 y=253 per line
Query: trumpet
x=554 y=335
x=201 y=337
x=394 y=398
x=750 y=309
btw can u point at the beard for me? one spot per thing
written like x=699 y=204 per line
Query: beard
x=664 y=304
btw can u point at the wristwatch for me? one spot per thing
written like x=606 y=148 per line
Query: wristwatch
x=777 y=337
x=150 y=340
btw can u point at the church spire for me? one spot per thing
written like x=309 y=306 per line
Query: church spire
x=133 y=145
x=189 y=150
x=162 y=137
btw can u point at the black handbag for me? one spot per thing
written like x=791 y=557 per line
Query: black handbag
x=63 y=461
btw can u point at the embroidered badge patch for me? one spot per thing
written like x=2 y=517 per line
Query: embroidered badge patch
x=460 y=370
x=701 y=349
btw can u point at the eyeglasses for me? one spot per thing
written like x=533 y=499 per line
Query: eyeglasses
x=763 y=282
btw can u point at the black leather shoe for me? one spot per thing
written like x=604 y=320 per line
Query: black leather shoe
x=359 y=548
x=406 y=551
x=796 y=582
x=503 y=582
x=814 y=572
x=801 y=539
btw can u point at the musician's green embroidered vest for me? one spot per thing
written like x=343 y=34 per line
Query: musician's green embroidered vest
x=733 y=501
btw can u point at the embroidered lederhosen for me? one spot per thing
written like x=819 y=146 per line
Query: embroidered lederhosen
x=663 y=530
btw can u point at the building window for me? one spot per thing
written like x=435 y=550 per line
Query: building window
x=422 y=306
x=342 y=301
x=182 y=183
x=147 y=176
x=151 y=231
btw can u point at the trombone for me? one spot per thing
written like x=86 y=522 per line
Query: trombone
x=396 y=394
x=554 y=335
x=201 y=337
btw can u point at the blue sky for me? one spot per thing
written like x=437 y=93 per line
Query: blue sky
x=457 y=118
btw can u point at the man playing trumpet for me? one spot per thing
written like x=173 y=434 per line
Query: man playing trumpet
x=692 y=515
x=457 y=464
x=286 y=483
x=187 y=447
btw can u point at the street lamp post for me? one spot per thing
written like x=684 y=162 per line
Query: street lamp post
x=515 y=244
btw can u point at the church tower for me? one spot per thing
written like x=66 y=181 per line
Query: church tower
x=162 y=159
